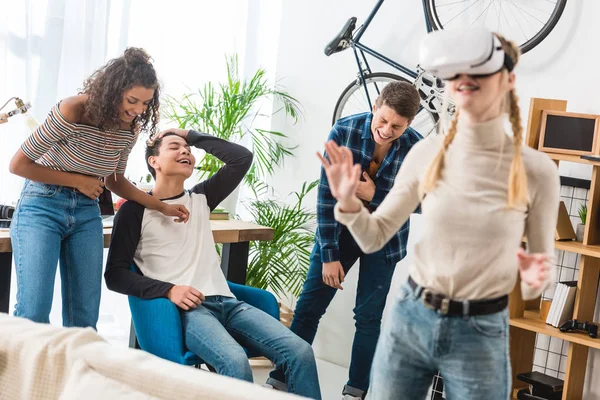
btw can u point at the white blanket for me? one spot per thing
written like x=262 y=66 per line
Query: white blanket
x=41 y=361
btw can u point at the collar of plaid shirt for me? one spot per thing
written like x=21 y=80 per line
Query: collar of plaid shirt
x=354 y=132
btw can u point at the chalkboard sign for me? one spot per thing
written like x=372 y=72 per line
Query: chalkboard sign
x=569 y=133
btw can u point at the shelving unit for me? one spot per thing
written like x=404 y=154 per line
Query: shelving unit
x=531 y=321
x=525 y=322
x=571 y=158
x=576 y=247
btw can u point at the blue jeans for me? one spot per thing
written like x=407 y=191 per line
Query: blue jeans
x=471 y=353
x=217 y=329
x=375 y=276
x=53 y=223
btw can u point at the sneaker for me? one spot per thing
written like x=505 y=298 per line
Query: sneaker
x=276 y=385
x=352 y=393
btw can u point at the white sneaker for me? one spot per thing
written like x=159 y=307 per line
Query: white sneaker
x=349 y=397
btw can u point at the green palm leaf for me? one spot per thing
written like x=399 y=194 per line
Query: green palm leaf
x=229 y=110
x=281 y=264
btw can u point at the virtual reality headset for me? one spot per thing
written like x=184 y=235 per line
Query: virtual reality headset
x=473 y=51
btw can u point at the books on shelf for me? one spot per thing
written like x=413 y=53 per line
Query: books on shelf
x=563 y=303
x=219 y=214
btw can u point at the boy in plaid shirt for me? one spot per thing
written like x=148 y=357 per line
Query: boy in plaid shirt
x=379 y=142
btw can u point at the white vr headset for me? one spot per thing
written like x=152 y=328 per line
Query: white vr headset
x=473 y=51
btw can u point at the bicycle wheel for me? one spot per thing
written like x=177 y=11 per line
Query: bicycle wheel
x=353 y=100
x=526 y=22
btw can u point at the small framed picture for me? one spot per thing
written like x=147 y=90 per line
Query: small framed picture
x=569 y=133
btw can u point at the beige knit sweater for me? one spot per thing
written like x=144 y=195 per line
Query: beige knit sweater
x=470 y=238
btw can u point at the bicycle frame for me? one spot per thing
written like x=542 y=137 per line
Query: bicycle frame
x=355 y=43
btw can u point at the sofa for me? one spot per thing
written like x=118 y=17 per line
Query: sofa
x=42 y=361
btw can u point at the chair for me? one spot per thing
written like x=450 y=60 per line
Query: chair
x=159 y=329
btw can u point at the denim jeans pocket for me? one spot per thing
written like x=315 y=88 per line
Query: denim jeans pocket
x=405 y=293
x=38 y=189
x=491 y=325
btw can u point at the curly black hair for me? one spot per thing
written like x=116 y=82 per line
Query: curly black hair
x=153 y=149
x=106 y=86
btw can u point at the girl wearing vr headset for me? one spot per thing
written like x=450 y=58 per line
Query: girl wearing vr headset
x=480 y=190
x=83 y=145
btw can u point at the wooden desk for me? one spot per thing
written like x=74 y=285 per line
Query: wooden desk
x=235 y=236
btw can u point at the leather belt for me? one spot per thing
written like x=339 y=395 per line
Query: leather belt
x=450 y=307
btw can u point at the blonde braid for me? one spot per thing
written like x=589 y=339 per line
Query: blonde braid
x=434 y=171
x=517 y=181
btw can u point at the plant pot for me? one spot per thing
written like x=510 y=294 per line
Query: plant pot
x=579 y=233
x=286 y=315
x=144 y=186
x=230 y=202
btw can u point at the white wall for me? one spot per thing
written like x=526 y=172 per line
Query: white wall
x=564 y=66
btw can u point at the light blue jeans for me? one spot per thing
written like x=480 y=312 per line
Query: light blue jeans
x=374 y=279
x=471 y=353
x=220 y=326
x=53 y=223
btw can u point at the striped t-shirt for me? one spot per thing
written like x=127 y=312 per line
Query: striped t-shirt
x=66 y=146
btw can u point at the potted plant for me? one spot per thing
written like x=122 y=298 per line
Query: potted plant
x=231 y=111
x=581 y=227
x=281 y=264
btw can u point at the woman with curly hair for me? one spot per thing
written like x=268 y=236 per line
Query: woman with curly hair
x=82 y=146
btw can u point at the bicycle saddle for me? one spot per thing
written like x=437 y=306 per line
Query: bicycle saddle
x=340 y=42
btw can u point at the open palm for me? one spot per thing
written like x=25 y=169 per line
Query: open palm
x=343 y=176
x=533 y=268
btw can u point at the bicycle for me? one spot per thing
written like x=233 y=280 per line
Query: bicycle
x=438 y=14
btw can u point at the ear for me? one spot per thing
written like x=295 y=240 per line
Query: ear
x=374 y=108
x=153 y=161
x=511 y=81
x=410 y=121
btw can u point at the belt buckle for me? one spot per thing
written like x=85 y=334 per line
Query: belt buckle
x=427 y=296
x=445 y=307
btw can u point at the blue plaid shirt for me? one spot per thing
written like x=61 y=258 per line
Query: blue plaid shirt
x=354 y=132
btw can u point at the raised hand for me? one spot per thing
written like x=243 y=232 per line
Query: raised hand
x=178 y=131
x=342 y=175
x=533 y=268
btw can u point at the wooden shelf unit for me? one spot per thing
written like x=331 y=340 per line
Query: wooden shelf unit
x=576 y=247
x=524 y=316
x=531 y=321
x=571 y=158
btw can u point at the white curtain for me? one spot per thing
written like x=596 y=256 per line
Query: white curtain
x=48 y=48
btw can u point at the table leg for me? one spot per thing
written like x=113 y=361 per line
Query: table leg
x=234 y=261
x=133 y=343
x=5 y=272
